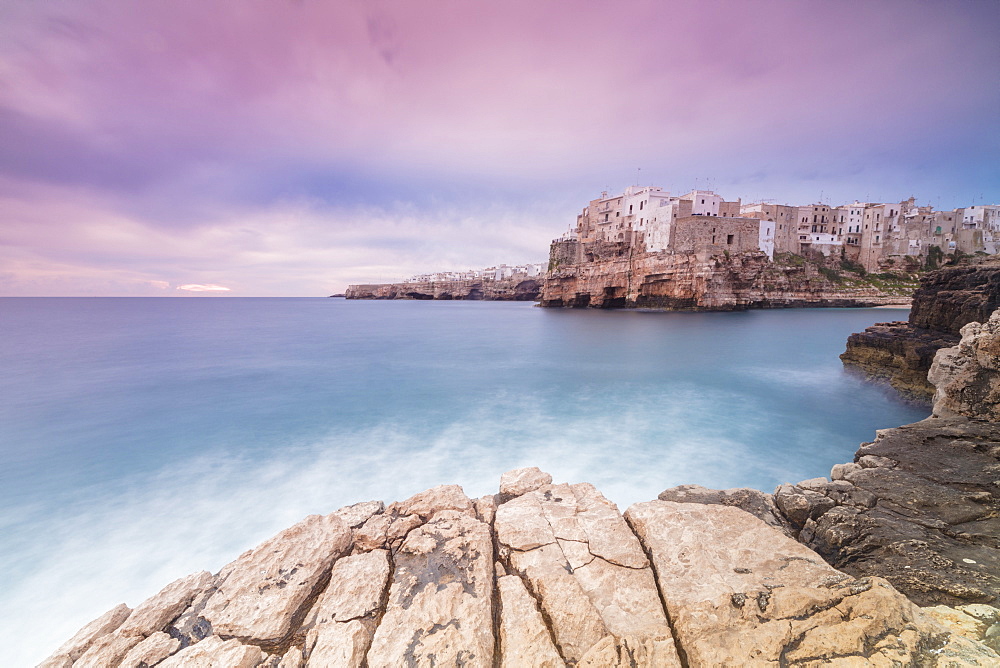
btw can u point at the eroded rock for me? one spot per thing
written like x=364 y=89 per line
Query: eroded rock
x=157 y=611
x=967 y=376
x=440 y=605
x=150 y=651
x=214 y=652
x=357 y=584
x=739 y=592
x=262 y=595
x=922 y=512
x=524 y=638
x=587 y=571
x=108 y=650
x=521 y=481
x=73 y=649
x=357 y=514
x=342 y=644
x=759 y=504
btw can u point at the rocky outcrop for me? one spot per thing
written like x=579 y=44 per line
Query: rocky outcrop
x=901 y=353
x=740 y=593
x=967 y=376
x=692 y=281
x=541 y=574
x=919 y=507
x=952 y=297
x=512 y=289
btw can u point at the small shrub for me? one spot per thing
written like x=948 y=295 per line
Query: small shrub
x=831 y=275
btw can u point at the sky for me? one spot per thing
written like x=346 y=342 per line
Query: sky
x=283 y=148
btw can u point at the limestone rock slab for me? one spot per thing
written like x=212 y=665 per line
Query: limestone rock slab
x=265 y=589
x=525 y=641
x=357 y=584
x=757 y=503
x=157 y=611
x=339 y=644
x=440 y=607
x=107 y=650
x=292 y=659
x=434 y=500
x=151 y=651
x=74 y=648
x=357 y=514
x=588 y=571
x=521 y=481
x=214 y=652
x=739 y=593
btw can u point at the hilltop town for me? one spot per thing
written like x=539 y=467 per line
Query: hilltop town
x=876 y=236
x=647 y=248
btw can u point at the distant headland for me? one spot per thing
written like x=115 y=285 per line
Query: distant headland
x=645 y=248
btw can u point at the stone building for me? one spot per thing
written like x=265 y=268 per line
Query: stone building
x=785 y=219
x=647 y=219
x=877 y=236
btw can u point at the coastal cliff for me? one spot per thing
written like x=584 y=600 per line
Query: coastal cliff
x=902 y=352
x=698 y=281
x=516 y=289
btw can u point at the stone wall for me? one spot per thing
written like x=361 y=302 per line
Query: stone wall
x=715 y=235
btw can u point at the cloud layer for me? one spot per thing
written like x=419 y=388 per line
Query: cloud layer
x=290 y=148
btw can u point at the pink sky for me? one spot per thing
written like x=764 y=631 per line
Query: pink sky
x=291 y=148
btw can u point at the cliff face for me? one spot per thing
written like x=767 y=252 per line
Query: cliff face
x=702 y=282
x=950 y=298
x=540 y=574
x=519 y=289
x=902 y=352
x=967 y=376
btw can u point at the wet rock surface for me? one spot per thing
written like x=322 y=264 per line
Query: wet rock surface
x=920 y=510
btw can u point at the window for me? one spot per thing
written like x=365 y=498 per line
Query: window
x=702 y=201
x=729 y=239
x=640 y=205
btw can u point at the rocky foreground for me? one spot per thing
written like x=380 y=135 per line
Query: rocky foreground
x=824 y=572
x=540 y=574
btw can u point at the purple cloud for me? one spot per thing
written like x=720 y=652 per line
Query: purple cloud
x=184 y=125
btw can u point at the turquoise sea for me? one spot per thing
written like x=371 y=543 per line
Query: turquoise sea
x=144 y=439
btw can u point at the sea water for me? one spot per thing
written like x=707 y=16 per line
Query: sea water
x=145 y=439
